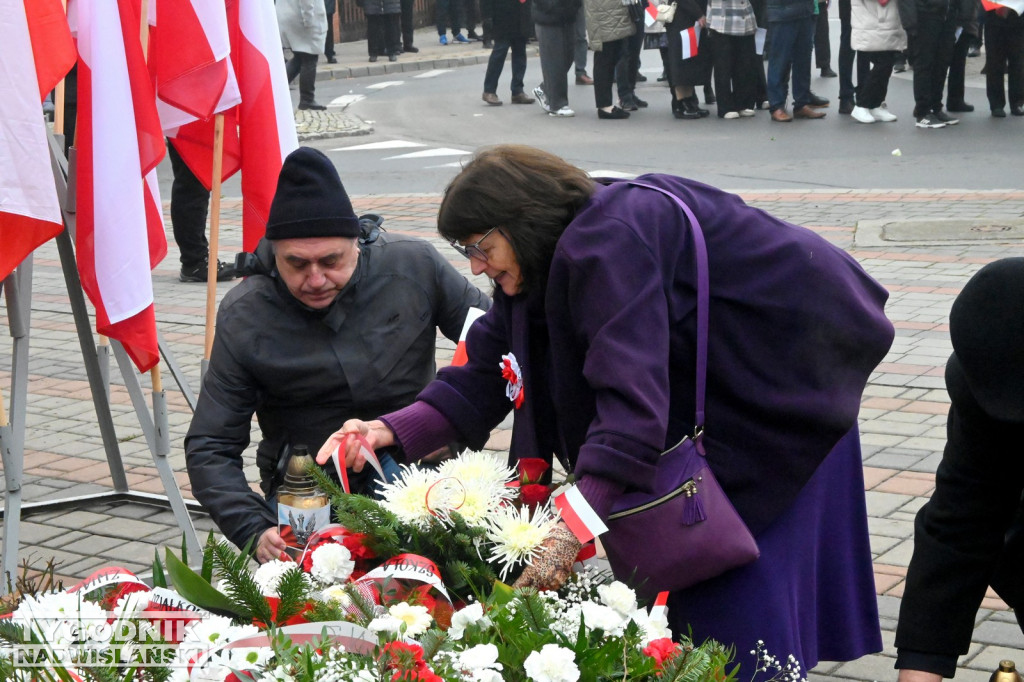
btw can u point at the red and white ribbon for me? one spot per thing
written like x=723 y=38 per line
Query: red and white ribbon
x=409 y=567
x=577 y=513
x=461 y=357
x=364 y=449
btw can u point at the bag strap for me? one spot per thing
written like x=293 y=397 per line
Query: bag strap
x=701 y=256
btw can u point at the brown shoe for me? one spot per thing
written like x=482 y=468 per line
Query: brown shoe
x=492 y=99
x=807 y=112
x=522 y=98
x=584 y=79
x=780 y=116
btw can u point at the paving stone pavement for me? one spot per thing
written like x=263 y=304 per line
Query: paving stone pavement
x=902 y=411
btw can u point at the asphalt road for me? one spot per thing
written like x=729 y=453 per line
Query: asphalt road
x=441 y=118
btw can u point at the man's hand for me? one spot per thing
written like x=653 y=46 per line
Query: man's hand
x=551 y=569
x=918 y=676
x=270 y=546
x=376 y=434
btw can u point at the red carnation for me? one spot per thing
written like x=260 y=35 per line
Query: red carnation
x=661 y=650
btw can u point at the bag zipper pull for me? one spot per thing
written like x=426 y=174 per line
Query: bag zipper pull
x=693 y=507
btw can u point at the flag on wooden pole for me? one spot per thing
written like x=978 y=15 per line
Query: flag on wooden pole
x=120 y=235
x=36 y=51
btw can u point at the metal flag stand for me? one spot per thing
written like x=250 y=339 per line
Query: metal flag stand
x=18 y=290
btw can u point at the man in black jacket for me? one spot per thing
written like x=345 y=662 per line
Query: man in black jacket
x=332 y=327
x=931 y=28
x=970 y=534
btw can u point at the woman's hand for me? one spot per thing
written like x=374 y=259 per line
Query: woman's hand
x=551 y=569
x=376 y=433
x=703 y=21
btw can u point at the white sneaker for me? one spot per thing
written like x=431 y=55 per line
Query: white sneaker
x=542 y=99
x=862 y=115
x=731 y=115
x=564 y=112
x=746 y=113
x=882 y=114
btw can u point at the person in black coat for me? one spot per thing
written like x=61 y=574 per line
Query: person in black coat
x=511 y=24
x=382 y=28
x=970 y=534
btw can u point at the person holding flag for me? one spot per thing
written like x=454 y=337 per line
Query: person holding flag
x=687 y=66
x=592 y=345
x=333 y=321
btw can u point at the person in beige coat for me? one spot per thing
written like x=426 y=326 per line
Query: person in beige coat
x=877 y=35
x=608 y=28
x=303 y=26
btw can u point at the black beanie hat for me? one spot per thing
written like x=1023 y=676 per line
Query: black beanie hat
x=310 y=200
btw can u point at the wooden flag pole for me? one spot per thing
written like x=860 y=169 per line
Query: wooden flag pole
x=211 y=272
x=3 y=412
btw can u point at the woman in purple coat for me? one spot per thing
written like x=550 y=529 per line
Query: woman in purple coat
x=594 y=300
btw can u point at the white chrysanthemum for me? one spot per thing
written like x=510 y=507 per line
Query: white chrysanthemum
x=618 y=596
x=332 y=563
x=268 y=576
x=416 y=618
x=407 y=496
x=552 y=664
x=385 y=623
x=131 y=604
x=217 y=666
x=337 y=593
x=479 y=657
x=655 y=627
x=63 y=619
x=516 y=534
x=472 y=614
x=483 y=482
x=600 y=617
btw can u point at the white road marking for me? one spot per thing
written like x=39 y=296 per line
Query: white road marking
x=386 y=144
x=433 y=73
x=385 y=84
x=346 y=100
x=438 y=151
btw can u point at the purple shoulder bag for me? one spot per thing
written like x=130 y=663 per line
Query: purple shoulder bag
x=686 y=530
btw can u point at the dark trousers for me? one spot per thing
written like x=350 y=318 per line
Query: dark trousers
x=329 y=43
x=873 y=89
x=847 y=55
x=629 y=63
x=496 y=64
x=931 y=49
x=605 y=61
x=734 y=61
x=1004 y=54
x=382 y=34
x=190 y=203
x=449 y=12
x=471 y=13
x=556 y=44
x=790 y=51
x=958 y=69
x=822 y=46
x=303 y=65
x=407 y=22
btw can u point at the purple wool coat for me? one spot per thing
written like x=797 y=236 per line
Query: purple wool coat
x=607 y=352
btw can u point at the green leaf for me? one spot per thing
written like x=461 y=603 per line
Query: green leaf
x=192 y=587
x=159 y=579
x=207 y=568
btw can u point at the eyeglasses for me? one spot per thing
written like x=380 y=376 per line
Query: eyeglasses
x=473 y=250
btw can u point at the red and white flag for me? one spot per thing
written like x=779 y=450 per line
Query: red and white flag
x=120 y=235
x=1016 y=5
x=266 y=124
x=194 y=84
x=577 y=513
x=36 y=51
x=691 y=40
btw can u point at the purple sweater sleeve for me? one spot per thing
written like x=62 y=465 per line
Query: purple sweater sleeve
x=420 y=429
x=600 y=493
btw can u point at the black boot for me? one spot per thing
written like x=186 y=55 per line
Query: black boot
x=680 y=110
x=692 y=104
x=709 y=95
